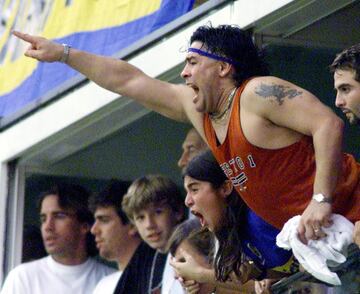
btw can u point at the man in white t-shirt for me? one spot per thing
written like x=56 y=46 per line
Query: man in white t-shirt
x=65 y=229
x=116 y=238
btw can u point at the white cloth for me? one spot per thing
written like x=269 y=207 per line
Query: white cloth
x=170 y=285
x=314 y=255
x=46 y=276
x=107 y=284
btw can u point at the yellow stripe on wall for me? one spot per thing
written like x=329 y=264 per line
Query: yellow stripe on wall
x=91 y=15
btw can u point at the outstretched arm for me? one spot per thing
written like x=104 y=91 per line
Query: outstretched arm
x=173 y=101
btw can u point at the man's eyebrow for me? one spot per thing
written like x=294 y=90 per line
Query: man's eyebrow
x=101 y=216
x=56 y=211
x=188 y=58
x=342 y=85
x=52 y=213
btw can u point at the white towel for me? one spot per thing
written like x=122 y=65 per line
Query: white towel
x=314 y=255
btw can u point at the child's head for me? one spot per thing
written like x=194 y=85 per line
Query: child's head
x=211 y=197
x=207 y=190
x=195 y=241
x=155 y=205
x=200 y=240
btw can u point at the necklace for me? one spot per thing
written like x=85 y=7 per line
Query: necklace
x=216 y=117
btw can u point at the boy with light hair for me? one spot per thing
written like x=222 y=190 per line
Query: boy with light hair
x=156 y=206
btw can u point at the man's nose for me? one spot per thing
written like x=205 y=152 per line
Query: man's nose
x=182 y=160
x=94 y=228
x=339 y=101
x=185 y=72
x=48 y=224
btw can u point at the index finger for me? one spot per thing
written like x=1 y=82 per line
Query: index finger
x=25 y=37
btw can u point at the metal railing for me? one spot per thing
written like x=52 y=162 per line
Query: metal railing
x=351 y=264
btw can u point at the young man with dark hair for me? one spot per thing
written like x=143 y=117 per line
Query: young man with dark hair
x=346 y=69
x=277 y=143
x=65 y=229
x=116 y=238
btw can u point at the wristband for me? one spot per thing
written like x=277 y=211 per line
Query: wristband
x=320 y=198
x=65 y=54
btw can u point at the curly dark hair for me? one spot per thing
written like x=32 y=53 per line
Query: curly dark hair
x=229 y=256
x=348 y=59
x=236 y=44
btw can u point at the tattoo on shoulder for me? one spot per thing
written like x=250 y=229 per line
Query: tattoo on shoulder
x=280 y=92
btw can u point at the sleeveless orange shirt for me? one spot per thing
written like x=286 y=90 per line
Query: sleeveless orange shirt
x=278 y=184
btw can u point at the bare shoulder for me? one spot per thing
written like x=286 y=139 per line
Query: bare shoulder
x=265 y=93
x=285 y=105
x=272 y=89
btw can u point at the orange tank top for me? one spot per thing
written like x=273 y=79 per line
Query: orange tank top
x=278 y=184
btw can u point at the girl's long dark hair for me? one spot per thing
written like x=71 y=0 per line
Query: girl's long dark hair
x=229 y=255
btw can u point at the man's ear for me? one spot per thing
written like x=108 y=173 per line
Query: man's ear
x=225 y=69
x=227 y=188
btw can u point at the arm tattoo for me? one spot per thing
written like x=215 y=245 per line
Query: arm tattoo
x=280 y=92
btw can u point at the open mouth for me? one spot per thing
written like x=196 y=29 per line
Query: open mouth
x=199 y=216
x=196 y=93
x=192 y=86
x=196 y=89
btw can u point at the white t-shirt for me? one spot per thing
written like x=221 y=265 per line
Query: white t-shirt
x=170 y=285
x=46 y=276
x=107 y=284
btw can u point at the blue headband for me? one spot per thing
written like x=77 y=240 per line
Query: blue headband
x=212 y=55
